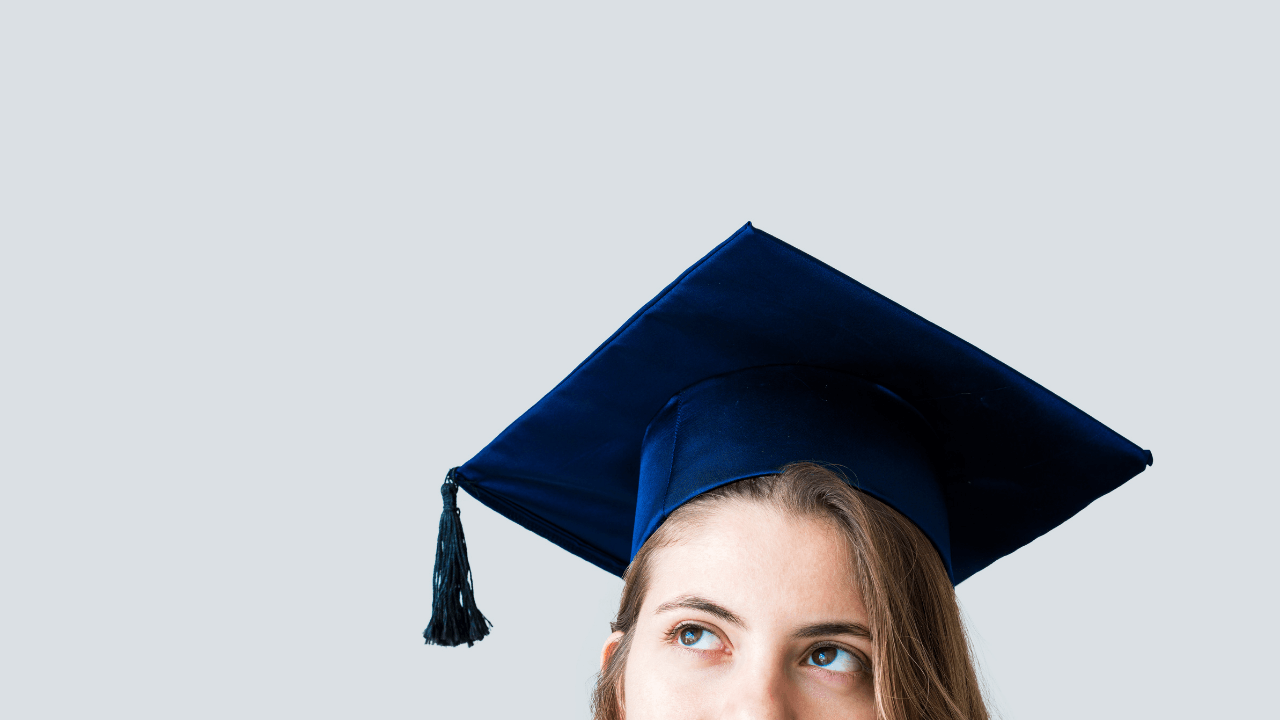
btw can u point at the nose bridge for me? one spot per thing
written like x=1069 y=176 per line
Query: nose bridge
x=760 y=690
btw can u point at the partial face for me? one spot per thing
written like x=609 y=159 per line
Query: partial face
x=754 y=615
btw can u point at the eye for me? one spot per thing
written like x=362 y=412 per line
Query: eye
x=834 y=659
x=697 y=638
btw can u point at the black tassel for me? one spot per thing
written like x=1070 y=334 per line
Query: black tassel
x=455 y=619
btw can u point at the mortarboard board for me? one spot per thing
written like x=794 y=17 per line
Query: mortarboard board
x=759 y=356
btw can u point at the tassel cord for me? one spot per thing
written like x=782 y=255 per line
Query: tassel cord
x=455 y=618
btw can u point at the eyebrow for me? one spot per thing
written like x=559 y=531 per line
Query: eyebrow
x=693 y=602
x=824 y=629
x=832 y=628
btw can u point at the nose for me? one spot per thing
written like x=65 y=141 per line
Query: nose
x=759 y=691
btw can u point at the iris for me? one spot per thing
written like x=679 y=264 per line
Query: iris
x=696 y=638
x=835 y=659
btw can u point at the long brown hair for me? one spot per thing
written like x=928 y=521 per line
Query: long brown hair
x=921 y=663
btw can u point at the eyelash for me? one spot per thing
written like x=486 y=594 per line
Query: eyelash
x=862 y=660
x=674 y=632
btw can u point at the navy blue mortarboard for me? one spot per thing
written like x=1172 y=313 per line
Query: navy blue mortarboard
x=759 y=356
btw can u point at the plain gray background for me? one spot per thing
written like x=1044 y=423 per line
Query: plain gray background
x=269 y=269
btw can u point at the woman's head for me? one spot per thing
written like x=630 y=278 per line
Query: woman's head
x=787 y=595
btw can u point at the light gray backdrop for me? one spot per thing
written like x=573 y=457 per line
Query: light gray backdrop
x=270 y=268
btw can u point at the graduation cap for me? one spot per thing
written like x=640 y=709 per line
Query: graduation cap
x=756 y=357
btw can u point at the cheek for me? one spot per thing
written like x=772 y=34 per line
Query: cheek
x=656 y=688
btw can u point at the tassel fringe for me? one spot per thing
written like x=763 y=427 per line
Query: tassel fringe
x=455 y=619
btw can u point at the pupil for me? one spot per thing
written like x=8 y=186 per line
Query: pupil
x=690 y=636
x=823 y=656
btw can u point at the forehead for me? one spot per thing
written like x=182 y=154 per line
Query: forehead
x=762 y=563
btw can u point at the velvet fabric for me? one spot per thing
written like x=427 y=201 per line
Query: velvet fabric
x=754 y=421
x=760 y=355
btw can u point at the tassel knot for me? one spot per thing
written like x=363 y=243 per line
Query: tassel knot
x=455 y=619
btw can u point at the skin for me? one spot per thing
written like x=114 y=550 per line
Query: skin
x=792 y=606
